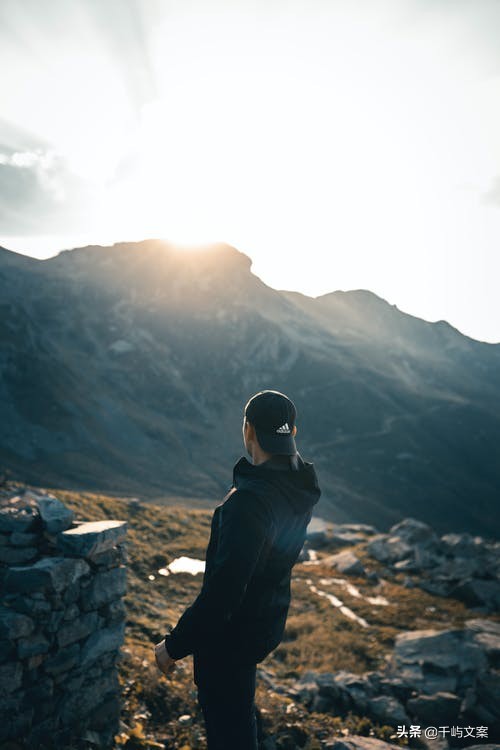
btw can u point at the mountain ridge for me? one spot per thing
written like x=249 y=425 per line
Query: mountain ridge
x=122 y=365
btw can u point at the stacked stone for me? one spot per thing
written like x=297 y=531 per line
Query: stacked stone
x=62 y=621
x=432 y=678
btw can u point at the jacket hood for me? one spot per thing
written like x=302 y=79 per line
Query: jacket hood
x=299 y=485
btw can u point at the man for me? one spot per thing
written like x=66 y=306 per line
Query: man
x=256 y=536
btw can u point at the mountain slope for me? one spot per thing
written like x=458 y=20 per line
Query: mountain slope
x=126 y=369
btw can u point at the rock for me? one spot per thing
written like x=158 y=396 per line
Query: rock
x=486 y=710
x=115 y=610
x=54 y=514
x=6 y=649
x=437 y=588
x=63 y=661
x=18 y=515
x=104 y=587
x=16 y=555
x=339 y=691
x=432 y=661
x=102 y=641
x=388 y=549
x=459 y=568
x=358 y=528
x=490 y=644
x=317 y=539
x=91 y=538
x=387 y=710
x=346 y=538
x=439 y=707
x=28 y=605
x=413 y=531
x=463 y=545
x=14 y=625
x=109 y=558
x=11 y=675
x=31 y=646
x=481 y=625
x=78 y=629
x=476 y=593
x=50 y=574
x=23 y=539
x=345 y=562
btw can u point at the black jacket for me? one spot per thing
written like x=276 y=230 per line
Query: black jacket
x=256 y=536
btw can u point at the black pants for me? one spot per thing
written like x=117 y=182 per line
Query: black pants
x=226 y=693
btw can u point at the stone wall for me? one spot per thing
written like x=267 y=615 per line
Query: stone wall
x=62 y=621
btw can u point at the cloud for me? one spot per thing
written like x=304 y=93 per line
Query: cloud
x=39 y=192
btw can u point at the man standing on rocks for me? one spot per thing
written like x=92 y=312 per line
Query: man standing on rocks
x=256 y=536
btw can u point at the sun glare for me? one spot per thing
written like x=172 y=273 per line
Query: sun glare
x=341 y=145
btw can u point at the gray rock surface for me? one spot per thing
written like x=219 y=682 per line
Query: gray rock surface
x=49 y=574
x=89 y=539
x=345 y=562
x=62 y=622
x=54 y=514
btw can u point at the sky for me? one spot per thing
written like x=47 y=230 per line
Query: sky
x=341 y=144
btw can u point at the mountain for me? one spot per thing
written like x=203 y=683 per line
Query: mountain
x=125 y=369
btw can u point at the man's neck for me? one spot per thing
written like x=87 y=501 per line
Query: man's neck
x=260 y=457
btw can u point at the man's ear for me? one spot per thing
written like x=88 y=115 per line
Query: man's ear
x=294 y=431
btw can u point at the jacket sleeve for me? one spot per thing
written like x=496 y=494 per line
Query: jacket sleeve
x=245 y=523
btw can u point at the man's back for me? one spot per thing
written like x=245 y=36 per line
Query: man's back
x=257 y=533
x=256 y=537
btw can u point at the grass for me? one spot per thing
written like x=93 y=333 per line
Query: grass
x=317 y=636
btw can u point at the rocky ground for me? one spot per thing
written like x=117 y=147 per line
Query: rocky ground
x=388 y=636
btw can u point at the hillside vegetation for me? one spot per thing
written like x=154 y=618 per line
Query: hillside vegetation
x=163 y=712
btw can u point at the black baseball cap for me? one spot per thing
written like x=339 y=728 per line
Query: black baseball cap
x=273 y=415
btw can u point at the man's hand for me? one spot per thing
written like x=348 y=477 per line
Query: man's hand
x=164 y=661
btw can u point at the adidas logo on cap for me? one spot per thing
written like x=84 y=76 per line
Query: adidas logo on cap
x=284 y=429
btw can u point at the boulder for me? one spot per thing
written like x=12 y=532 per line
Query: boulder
x=334 y=691
x=23 y=539
x=77 y=629
x=33 y=645
x=345 y=562
x=16 y=555
x=50 y=573
x=18 y=514
x=11 y=677
x=476 y=592
x=14 y=625
x=88 y=539
x=64 y=660
x=413 y=531
x=346 y=538
x=481 y=625
x=387 y=710
x=359 y=528
x=54 y=514
x=102 y=641
x=439 y=707
x=317 y=539
x=388 y=549
x=463 y=545
x=486 y=709
x=434 y=661
x=104 y=587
